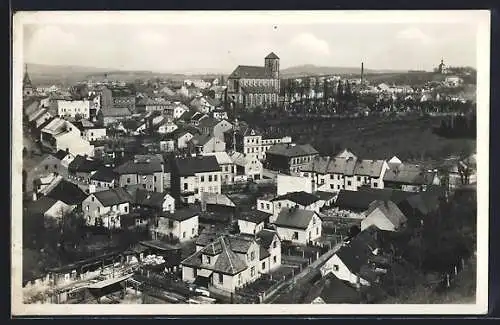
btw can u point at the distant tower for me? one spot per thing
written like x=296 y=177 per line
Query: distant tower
x=27 y=86
x=442 y=67
x=272 y=65
x=362 y=72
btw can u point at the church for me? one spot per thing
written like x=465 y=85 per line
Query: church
x=252 y=86
x=28 y=89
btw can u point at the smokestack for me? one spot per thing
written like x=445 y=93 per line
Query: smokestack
x=362 y=72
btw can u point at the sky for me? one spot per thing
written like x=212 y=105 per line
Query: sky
x=221 y=46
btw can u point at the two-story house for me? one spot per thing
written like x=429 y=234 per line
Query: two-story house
x=192 y=175
x=102 y=179
x=302 y=200
x=409 y=177
x=204 y=143
x=215 y=127
x=60 y=134
x=247 y=166
x=298 y=226
x=105 y=208
x=181 y=224
x=228 y=168
x=146 y=170
x=289 y=158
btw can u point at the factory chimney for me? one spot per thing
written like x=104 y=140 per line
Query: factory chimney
x=362 y=72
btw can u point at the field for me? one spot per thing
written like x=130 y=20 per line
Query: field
x=376 y=138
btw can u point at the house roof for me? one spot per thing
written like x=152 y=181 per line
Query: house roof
x=249 y=72
x=325 y=196
x=302 y=198
x=113 y=196
x=189 y=166
x=105 y=174
x=183 y=213
x=361 y=199
x=83 y=164
x=251 y=89
x=201 y=139
x=67 y=192
x=40 y=206
x=116 y=112
x=332 y=290
x=408 y=174
x=265 y=237
x=227 y=261
x=294 y=218
x=239 y=158
x=358 y=251
x=221 y=156
x=212 y=101
x=60 y=154
x=147 y=198
x=291 y=150
x=372 y=168
x=217 y=199
x=254 y=216
x=208 y=122
x=272 y=55
x=390 y=210
x=142 y=164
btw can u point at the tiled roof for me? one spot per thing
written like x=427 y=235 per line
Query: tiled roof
x=294 y=218
x=183 y=213
x=408 y=174
x=332 y=290
x=254 y=216
x=113 y=196
x=302 y=198
x=201 y=164
x=221 y=156
x=208 y=122
x=272 y=55
x=201 y=139
x=105 y=174
x=68 y=193
x=60 y=154
x=116 y=112
x=40 y=206
x=389 y=210
x=361 y=199
x=265 y=237
x=372 y=168
x=249 y=72
x=142 y=164
x=147 y=198
x=325 y=196
x=291 y=150
x=259 y=89
x=82 y=164
x=358 y=251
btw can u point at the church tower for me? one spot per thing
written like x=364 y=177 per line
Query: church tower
x=272 y=65
x=27 y=86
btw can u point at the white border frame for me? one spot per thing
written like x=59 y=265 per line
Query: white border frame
x=480 y=17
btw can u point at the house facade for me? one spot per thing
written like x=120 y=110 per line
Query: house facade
x=289 y=158
x=228 y=168
x=181 y=224
x=247 y=165
x=105 y=208
x=298 y=226
x=73 y=108
x=147 y=171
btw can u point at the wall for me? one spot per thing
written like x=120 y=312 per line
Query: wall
x=101 y=185
x=182 y=142
x=220 y=128
x=74 y=143
x=342 y=273
x=90 y=210
x=190 y=227
x=228 y=171
x=248 y=227
x=378 y=219
x=187 y=274
x=151 y=182
x=287 y=234
x=46 y=167
x=168 y=204
x=287 y=184
x=214 y=145
x=73 y=107
x=94 y=134
x=265 y=206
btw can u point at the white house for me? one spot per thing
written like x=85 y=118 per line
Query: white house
x=194 y=175
x=167 y=127
x=298 y=225
x=182 y=138
x=228 y=168
x=287 y=184
x=181 y=224
x=63 y=135
x=252 y=222
x=203 y=143
x=72 y=108
x=247 y=165
x=105 y=208
x=385 y=215
x=178 y=110
x=302 y=200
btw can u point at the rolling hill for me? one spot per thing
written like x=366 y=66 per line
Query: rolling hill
x=312 y=70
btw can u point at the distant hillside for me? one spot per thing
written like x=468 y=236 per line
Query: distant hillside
x=313 y=70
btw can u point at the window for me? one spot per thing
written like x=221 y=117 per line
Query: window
x=338 y=176
x=98 y=209
x=202 y=189
x=125 y=208
x=208 y=260
x=359 y=179
x=192 y=231
x=349 y=183
x=335 y=267
x=93 y=199
x=279 y=204
x=314 y=221
x=221 y=278
x=263 y=265
x=55 y=166
x=185 y=186
x=46 y=167
x=252 y=271
x=209 y=178
x=87 y=207
x=338 y=187
x=275 y=244
x=195 y=272
x=317 y=231
x=170 y=224
x=143 y=185
x=202 y=178
x=252 y=256
x=275 y=259
x=128 y=180
x=375 y=184
x=295 y=235
x=184 y=234
x=261 y=205
x=306 y=175
x=155 y=178
x=267 y=206
x=331 y=186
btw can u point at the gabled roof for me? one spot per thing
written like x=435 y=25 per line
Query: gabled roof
x=294 y=218
x=201 y=139
x=291 y=150
x=67 y=192
x=249 y=72
x=357 y=252
x=389 y=210
x=302 y=198
x=183 y=213
x=217 y=199
x=272 y=55
x=116 y=112
x=60 y=154
x=408 y=174
x=221 y=156
x=254 y=216
x=265 y=237
x=113 y=196
x=82 y=164
x=372 y=168
x=325 y=196
x=147 y=198
x=40 y=206
x=360 y=200
x=104 y=174
x=209 y=122
x=189 y=166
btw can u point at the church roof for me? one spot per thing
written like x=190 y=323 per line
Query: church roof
x=272 y=56
x=26 y=79
x=249 y=72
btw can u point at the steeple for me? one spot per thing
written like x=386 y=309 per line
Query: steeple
x=26 y=79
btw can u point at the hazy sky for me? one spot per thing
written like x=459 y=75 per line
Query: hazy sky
x=219 y=47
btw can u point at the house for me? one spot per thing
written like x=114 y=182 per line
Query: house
x=149 y=171
x=167 y=144
x=409 y=177
x=331 y=290
x=302 y=200
x=220 y=204
x=298 y=226
x=177 y=110
x=60 y=134
x=287 y=184
x=102 y=179
x=270 y=241
x=252 y=222
x=228 y=168
x=105 y=207
x=247 y=165
x=267 y=141
x=182 y=138
x=48 y=165
x=350 y=261
x=82 y=168
x=113 y=115
x=227 y=263
x=181 y=224
x=194 y=175
x=123 y=98
x=73 y=108
x=196 y=117
x=385 y=215
x=205 y=104
x=326 y=199
x=203 y=143
x=453 y=81
x=289 y=158
x=212 y=126
x=89 y=131
x=51 y=210
x=345 y=171
x=167 y=127
x=38 y=117
x=62 y=190
x=152 y=201
x=219 y=114
x=244 y=140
